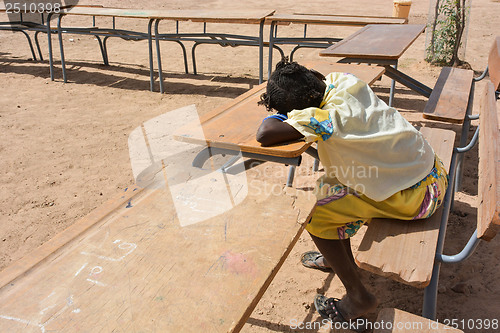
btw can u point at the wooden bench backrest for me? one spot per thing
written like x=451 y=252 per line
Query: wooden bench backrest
x=494 y=63
x=488 y=219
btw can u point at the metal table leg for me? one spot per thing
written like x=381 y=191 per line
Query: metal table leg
x=291 y=174
x=392 y=72
x=261 y=52
x=150 y=44
x=61 y=47
x=407 y=81
x=38 y=46
x=273 y=31
x=158 y=56
x=49 y=46
x=208 y=152
x=393 y=85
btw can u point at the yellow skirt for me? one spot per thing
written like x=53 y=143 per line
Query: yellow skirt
x=343 y=211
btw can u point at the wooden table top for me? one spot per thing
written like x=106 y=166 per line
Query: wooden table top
x=235 y=125
x=132 y=266
x=31 y=9
x=376 y=41
x=351 y=20
x=251 y=16
x=217 y=16
x=111 y=12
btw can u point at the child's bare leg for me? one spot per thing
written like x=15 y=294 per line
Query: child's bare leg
x=338 y=254
x=347 y=245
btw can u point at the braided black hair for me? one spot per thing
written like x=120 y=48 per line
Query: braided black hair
x=293 y=87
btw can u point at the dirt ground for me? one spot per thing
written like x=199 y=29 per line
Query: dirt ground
x=64 y=146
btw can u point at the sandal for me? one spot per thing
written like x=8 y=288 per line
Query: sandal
x=309 y=260
x=322 y=303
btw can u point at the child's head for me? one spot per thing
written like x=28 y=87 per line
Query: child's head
x=293 y=87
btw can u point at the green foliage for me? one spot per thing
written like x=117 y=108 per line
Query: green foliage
x=447 y=32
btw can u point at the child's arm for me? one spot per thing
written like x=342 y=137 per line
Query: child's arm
x=273 y=131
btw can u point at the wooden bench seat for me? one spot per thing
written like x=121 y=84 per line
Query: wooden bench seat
x=450 y=97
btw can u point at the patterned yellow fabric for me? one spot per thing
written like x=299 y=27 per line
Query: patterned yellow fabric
x=341 y=211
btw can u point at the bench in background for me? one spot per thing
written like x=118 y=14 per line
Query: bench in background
x=449 y=100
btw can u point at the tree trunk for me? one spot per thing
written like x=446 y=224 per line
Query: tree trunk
x=433 y=31
x=460 y=26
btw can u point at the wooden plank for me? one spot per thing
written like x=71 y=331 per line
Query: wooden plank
x=405 y=322
x=25 y=264
x=26 y=8
x=376 y=41
x=368 y=74
x=251 y=16
x=405 y=250
x=450 y=97
x=110 y=12
x=139 y=269
x=494 y=63
x=219 y=16
x=348 y=20
x=488 y=217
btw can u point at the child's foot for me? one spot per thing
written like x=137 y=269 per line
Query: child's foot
x=345 y=309
x=314 y=259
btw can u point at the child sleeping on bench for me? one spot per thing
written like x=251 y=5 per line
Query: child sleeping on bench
x=376 y=165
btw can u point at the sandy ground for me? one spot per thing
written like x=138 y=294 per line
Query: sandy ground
x=64 y=146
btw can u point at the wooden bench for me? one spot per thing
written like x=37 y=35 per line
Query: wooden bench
x=411 y=251
x=37 y=26
x=449 y=100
